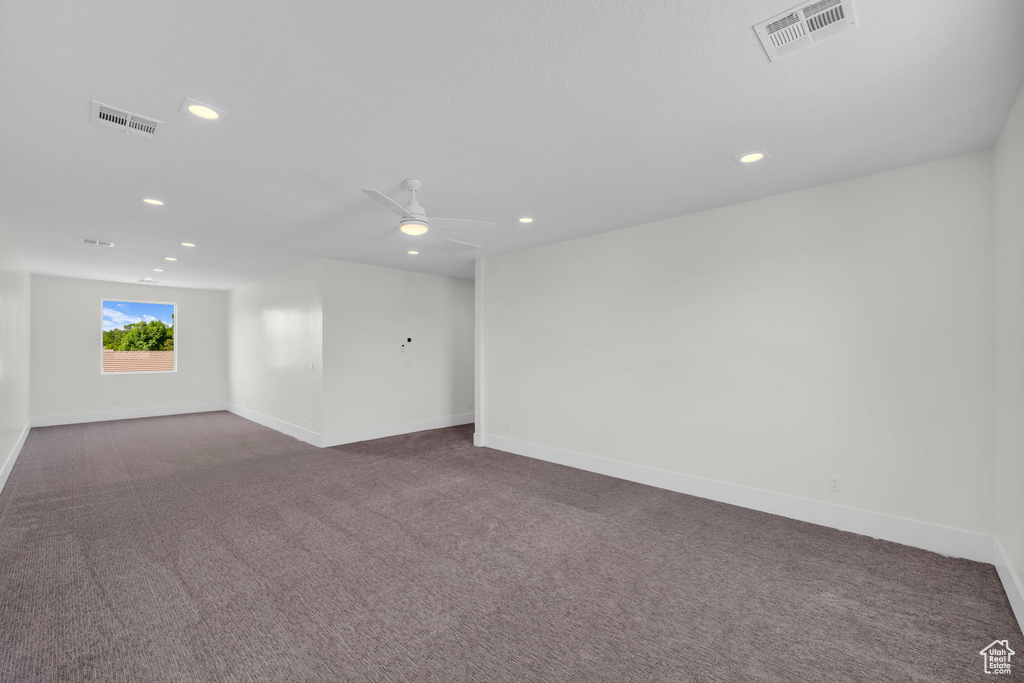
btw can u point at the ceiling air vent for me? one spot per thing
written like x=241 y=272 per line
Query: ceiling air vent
x=125 y=121
x=97 y=243
x=451 y=247
x=803 y=25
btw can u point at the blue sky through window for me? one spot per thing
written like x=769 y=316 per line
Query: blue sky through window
x=117 y=314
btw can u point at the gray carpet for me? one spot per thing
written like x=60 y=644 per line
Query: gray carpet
x=207 y=548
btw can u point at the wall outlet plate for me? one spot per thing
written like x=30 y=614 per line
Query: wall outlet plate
x=833 y=484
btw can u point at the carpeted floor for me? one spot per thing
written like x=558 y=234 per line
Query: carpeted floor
x=207 y=548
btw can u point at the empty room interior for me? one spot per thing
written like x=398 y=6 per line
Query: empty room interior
x=630 y=340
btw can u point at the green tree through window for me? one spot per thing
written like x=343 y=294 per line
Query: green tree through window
x=141 y=336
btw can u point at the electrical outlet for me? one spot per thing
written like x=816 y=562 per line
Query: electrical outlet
x=833 y=484
x=472 y=405
x=508 y=426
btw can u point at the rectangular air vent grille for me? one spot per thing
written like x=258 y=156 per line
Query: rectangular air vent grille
x=820 y=6
x=787 y=32
x=113 y=116
x=97 y=243
x=825 y=18
x=822 y=20
x=143 y=126
x=783 y=23
x=123 y=120
x=803 y=25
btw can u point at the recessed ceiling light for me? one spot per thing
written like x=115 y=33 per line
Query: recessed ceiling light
x=154 y=202
x=147 y=280
x=187 y=244
x=158 y=270
x=751 y=157
x=200 y=109
x=203 y=111
x=525 y=219
x=169 y=258
x=414 y=252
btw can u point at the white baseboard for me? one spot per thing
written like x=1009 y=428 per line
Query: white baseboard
x=479 y=439
x=383 y=431
x=340 y=438
x=294 y=431
x=129 y=414
x=5 y=470
x=939 y=539
x=1011 y=582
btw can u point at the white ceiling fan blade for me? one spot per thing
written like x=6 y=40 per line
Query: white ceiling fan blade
x=462 y=224
x=388 y=203
x=390 y=232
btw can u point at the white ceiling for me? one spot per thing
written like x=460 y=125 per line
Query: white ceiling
x=590 y=116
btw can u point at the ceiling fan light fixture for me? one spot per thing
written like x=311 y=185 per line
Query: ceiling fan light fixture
x=414 y=219
x=413 y=227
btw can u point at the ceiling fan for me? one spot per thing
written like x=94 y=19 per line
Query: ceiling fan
x=414 y=219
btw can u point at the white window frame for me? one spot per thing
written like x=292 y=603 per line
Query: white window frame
x=140 y=372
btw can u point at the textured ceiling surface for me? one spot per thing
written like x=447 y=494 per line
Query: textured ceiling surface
x=589 y=116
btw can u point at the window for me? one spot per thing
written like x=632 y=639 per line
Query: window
x=138 y=336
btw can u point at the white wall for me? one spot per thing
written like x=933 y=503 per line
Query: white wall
x=66 y=328
x=14 y=352
x=349 y=320
x=1008 y=471
x=369 y=312
x=843 y=330
x=276 y=334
